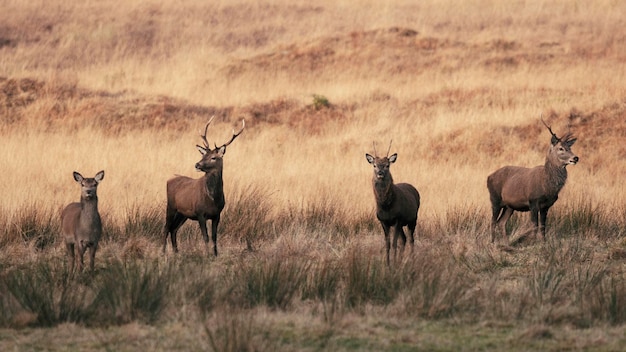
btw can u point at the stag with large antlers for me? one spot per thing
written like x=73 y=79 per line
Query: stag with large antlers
x=396 y=204
x=515 y=188
x=198 y=199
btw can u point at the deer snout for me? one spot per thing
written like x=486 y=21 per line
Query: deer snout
x=573 y=160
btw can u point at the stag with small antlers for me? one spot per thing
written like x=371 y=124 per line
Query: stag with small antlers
x=396 y=204
x=198 y=199
x=515 y=188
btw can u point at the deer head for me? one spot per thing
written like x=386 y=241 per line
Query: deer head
x=560 y=152
x=381 y=165
x=212 y=158
x=88 y=186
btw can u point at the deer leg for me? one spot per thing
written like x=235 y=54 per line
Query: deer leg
x=214 y=224
x=81 y=253
x=92 y=256
x=172 y=224
x=179 y=220
x=496 y=207
x=71 y=256
x=534 y=218
x=203 y=229
x=396 y=234
x=387 y=240
x=402 y=235
x=543 y=215
x=173 y=240
x=412 y=234
x=170 y=214
x=504 y=218
x=166 y=234
x=496 y=213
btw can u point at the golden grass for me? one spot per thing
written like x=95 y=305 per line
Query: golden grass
x=293 y=168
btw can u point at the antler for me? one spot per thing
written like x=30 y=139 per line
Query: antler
x=549 y=129
x=376 y=153
x=235 y=135
x=206 y=128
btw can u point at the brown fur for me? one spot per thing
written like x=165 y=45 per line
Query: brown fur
x=81 y=225
x=515 y=188
x=198 y=199
x=397 y=205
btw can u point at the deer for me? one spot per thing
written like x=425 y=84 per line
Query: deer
x=516 y=188
x=199 y=199
x=81 y=225
x=397 y=205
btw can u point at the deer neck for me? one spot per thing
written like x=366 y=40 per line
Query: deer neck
x=556 y=175
x=214 y=185
x=89 y=211
x=383 y=191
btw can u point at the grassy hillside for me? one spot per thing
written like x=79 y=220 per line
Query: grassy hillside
x=458 y=89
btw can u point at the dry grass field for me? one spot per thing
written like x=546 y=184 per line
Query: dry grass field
x=459 y=89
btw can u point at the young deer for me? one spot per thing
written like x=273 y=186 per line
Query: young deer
x=515 y=188
x=80 y=222
x=198 y=199
x=396 y=204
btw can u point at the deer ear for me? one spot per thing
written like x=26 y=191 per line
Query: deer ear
x=222 y=150
x=554 y=140
x=370 y=159
x=201 y=149
x=570 y=142
x=392 y=159
x=78 y=177
x=99 y=176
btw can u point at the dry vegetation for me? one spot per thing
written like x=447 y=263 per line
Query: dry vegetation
x=124 y=86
